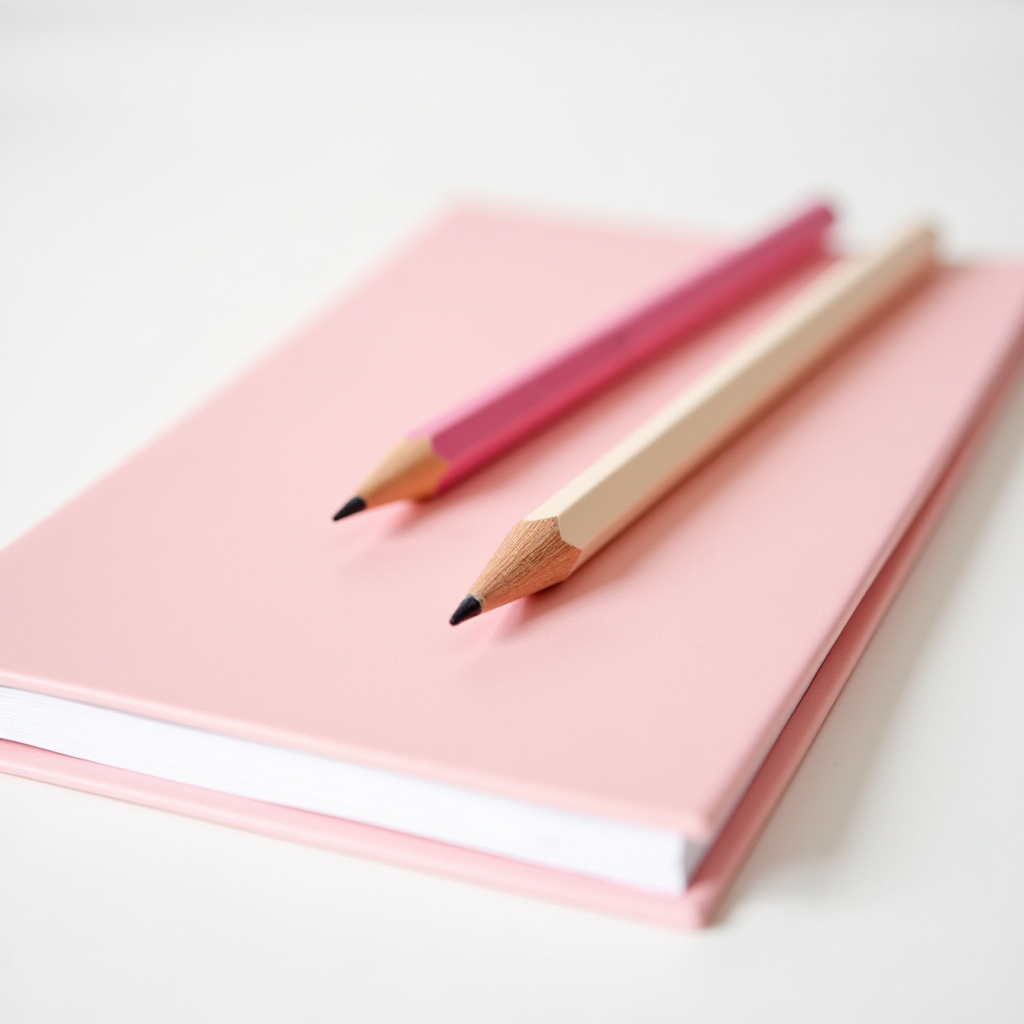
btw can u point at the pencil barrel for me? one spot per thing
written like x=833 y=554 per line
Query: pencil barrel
x=632 y=476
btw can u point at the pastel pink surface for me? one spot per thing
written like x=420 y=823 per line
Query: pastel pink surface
x=204 y=582
x=702 y=899
x=501 y=417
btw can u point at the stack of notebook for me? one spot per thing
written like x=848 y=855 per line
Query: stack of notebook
x=194 y=632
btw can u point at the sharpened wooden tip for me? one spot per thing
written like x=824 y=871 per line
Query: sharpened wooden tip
x=533 y=556
x=411 y=471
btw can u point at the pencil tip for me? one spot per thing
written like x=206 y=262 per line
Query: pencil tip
x=469 y=608
x=350 y=508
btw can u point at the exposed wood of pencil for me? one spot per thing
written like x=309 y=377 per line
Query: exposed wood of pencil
x=533 y=556
x=613 y=491
x=412 y=469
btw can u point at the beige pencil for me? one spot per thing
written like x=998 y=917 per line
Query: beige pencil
x=556 y=538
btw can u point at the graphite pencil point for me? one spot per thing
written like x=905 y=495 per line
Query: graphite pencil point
x=468 y=609
x=350 y=508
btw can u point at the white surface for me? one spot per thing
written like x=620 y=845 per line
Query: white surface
x=180 y=184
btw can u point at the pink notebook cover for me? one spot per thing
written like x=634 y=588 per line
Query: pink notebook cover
x=204 y=582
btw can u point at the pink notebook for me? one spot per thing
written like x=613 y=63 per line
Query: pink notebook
x=672 y=684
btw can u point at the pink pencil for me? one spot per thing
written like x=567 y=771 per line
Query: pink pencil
x=433 y=458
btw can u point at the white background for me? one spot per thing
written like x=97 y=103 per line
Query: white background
x=181 y=184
